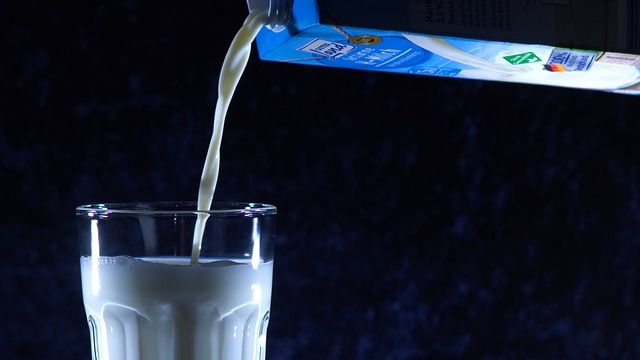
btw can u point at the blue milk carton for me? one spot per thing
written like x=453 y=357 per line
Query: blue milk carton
x=591 y=44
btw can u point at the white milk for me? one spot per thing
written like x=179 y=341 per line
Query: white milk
x=232 y=68
x=164 y=308
x=167 y=308
x=184 y=308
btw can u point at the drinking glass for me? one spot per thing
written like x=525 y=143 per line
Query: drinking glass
x=147 y=297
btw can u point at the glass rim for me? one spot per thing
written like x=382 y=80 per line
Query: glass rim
x=173 y=208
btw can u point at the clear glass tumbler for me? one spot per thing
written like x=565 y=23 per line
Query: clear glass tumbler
x=145 y=297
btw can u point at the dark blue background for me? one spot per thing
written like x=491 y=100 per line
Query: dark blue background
x=418 y=217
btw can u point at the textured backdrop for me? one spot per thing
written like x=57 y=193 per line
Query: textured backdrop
x=418 y=217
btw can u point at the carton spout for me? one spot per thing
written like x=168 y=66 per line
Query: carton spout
x=278 y=12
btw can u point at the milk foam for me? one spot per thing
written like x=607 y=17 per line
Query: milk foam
x=164 y=308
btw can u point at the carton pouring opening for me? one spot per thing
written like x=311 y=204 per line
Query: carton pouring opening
x=278 y=12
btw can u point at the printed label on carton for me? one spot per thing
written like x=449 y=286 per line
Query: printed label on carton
x=330 y=49
x=622 y=59
x=390 y=52
x=570 y=60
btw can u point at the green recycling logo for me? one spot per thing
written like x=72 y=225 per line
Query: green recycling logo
x=522 y=59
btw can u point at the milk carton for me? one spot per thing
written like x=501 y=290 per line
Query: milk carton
x=579 y=44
